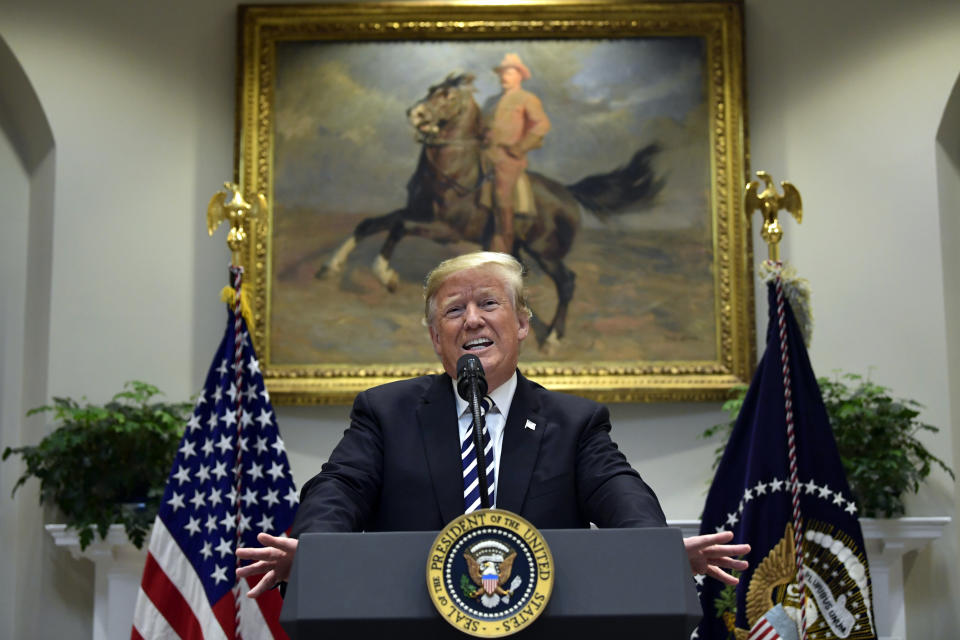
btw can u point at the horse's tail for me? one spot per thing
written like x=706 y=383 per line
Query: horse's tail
x=634 y=184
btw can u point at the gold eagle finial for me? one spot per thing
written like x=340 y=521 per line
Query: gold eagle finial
x=229 y=205
x=769 y=202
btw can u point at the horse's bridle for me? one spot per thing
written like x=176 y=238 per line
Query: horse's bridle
x=452 y=183
x=428 y=140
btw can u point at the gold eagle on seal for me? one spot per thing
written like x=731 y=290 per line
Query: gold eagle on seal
x=486 y=575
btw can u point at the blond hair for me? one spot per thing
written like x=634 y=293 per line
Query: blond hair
x=508 y=267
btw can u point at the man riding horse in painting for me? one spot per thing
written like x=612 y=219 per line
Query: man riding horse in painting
x=449 y=194
x=516 y=126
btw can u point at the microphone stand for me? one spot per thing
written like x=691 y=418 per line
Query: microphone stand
x=478 y=422
x=471 y=386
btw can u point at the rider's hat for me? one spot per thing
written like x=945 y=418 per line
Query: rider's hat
x=513 y=60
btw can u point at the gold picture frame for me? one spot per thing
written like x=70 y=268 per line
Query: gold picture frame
x=663 y=304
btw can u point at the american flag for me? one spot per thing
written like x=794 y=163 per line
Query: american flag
x=188 y=588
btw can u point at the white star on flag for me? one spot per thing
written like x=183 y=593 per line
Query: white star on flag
x=276 y=471
x=187 y=449
x=265 y=419
x=220 y=469
x=193 y=526
x=198 y=500
x=249 y=497
x=182 y=475
x=220 y=573
x=176 y=501
x=194 y=422
x=271 y=497
x=255 y=471
x=224 y=444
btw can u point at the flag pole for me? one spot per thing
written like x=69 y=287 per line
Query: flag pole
x=770 y=203
x=230 y=205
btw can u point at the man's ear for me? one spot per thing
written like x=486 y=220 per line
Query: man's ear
x=435 y=339
x=523 y=328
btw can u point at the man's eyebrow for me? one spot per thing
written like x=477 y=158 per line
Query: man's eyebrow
x=486 y=292
x=450 y=300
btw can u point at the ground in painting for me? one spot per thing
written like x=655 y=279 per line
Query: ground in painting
x=641 y=295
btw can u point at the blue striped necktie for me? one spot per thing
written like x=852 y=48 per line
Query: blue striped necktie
x=468 y=455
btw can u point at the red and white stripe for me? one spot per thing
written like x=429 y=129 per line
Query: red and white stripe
x=763 y=630
x=791 y=446
x=173 y=604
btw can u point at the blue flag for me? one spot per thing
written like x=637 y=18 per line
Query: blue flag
x=230 y=480
x=753 y=496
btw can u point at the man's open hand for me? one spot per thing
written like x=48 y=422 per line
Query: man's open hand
x=708 y=553
x=274 y=560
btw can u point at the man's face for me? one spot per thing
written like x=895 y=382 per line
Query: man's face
x=475 y=314
x=510 y=78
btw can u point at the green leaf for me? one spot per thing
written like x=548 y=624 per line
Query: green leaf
x=76 y=462
x=876 y=438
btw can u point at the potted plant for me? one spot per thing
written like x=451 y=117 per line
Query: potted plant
x=876 y=436
x=106 y=464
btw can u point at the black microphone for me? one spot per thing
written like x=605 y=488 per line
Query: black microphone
x=470 y=371
x=472 y=385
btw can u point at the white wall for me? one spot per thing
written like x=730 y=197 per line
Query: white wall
x=845 y=102
x=13 y=279
x=948 y=181
x=845 y=99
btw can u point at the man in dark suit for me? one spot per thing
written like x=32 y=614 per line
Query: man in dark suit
x=398 y=466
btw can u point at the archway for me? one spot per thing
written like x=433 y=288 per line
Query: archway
x=27 y=174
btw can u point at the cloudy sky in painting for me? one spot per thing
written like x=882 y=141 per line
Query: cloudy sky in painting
x=342 y=141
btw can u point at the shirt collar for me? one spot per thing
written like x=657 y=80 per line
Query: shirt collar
x=502 y=396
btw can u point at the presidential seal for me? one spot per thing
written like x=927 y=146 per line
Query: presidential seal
x=837 y=588
x=490 y=573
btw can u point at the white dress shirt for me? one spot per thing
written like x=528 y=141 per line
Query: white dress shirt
x=496 y=419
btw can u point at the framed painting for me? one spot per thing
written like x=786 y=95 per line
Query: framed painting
x=370 y=130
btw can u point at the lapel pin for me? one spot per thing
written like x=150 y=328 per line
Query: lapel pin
x=530 y=425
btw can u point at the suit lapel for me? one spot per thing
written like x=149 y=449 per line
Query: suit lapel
x=521 y=446
x=441 y=442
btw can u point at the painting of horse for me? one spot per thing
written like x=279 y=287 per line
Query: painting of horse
x=445 y=203
x=377 y=177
